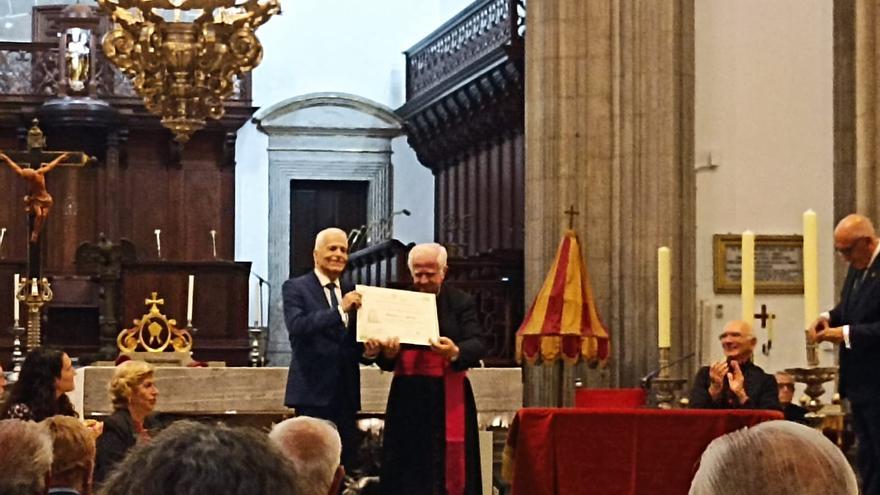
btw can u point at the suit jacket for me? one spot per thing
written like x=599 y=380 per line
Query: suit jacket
x=114 y=443
x=324 y=353
x=859 y=380
x=457 y=315
x=760 y=387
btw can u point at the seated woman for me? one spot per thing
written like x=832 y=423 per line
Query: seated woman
x=40 y=392
x=133 y=393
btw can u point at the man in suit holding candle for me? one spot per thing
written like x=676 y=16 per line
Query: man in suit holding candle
x=855 y=324
x=324 y=376
x=736 y=382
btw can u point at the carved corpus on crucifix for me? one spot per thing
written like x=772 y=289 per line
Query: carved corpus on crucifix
x=32 y=165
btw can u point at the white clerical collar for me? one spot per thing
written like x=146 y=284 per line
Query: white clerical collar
x=324 y=279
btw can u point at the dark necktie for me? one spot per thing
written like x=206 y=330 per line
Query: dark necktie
x=858 y=280
x=334 y=303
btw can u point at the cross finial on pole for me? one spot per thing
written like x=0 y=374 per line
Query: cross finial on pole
x=571 y=212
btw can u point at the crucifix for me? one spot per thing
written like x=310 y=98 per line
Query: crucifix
x=571 y=212
x=766 y=322
x=32 y=165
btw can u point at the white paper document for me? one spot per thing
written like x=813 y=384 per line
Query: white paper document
x=385 y=313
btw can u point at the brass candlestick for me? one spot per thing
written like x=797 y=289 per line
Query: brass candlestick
x=17 y=354
x=664 y=387
x=35 y=293
x=256 y=356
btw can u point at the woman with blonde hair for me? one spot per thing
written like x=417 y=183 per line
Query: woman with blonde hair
x=133 y=393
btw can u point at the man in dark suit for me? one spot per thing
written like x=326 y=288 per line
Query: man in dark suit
x=854 y=324
x=324 y=376
x=736 y=382
x=430 y=442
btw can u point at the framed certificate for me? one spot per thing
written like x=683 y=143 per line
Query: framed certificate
x=386 y=313
x=779 y=264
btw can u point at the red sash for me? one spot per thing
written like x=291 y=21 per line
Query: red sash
x=427 y=363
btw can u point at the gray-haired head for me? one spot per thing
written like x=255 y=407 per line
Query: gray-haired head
x=314 y=447
x=329 y=233
x=428 y=250
x=779 y=457
x=427 y=264
x=189 y=458
x=25 y=457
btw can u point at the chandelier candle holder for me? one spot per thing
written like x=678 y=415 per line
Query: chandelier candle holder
x=183 y=56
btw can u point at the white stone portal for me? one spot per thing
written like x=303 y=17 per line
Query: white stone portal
x=320 y=136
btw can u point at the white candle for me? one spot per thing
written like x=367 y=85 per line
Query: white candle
x=214 y=242
x=747 y=295
x=189 y=299
x=158 y=233
x=15 y=308
x=664 y=313
x=811 y=268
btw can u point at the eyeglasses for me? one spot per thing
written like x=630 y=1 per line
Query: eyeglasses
x=847 y=251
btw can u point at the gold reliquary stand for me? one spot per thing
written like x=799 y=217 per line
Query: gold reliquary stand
x=152 y=335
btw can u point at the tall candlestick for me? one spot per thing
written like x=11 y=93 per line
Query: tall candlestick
x=258 y=304
x=811 y=268
x=15 y=303
x=664 y=313
x=747 y=280
x=34 y=287
x=189 y=299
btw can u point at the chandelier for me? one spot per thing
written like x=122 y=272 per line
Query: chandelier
x=183 y=56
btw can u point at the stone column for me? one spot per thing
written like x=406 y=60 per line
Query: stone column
x=867 y=59
x=609 y=129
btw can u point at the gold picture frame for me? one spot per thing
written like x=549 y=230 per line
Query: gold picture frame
x=779 y=264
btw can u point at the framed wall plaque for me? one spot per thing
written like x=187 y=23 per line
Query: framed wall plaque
x=779 y=264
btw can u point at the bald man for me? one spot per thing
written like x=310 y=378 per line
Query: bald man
x=736 y=382
x=855 y=324
x=324 y=379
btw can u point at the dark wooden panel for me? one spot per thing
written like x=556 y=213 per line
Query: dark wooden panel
x=519 y=192
x=219 y=303
x=319 y=204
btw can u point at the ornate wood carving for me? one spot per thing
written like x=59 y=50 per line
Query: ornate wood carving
x=465 y=119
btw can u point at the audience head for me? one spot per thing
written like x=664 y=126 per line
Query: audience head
x=189 y=458
x=25 y=458
x=779 y=457
x=314 y=447
x=73 y=453
x=785 y=383
x=738 y=341
x=855 y=240
x=132 y=387
x=331 y=252
x=427 y=264
x=45 y=377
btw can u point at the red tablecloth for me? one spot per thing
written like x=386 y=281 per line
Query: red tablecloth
x=614 y=451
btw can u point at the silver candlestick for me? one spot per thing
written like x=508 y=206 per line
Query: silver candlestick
x=664 y=387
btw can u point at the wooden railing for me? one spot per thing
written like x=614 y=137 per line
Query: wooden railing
x=483 y=28
x=381 y=265
x=29 y=70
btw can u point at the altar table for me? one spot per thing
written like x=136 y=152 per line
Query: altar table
x=614 y=451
